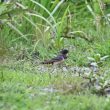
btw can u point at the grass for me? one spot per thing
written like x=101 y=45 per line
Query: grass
x=25 y=91
x=23 y=86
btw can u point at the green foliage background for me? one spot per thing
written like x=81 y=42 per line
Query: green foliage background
x=33 y=30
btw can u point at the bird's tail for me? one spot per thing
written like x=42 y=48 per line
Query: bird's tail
x=47 y=62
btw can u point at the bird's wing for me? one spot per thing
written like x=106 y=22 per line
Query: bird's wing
x=56 y=59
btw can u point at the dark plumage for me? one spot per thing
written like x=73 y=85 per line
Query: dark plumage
x=59 y=58
x=64 y=51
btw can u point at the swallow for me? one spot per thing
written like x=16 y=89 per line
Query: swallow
x=58 y=59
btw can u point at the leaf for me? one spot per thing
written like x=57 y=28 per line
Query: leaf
x=2 y=8
x=103 y=58
x=90 y=59
x=97 y=57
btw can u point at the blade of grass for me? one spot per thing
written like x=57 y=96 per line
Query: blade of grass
x=54 y=28
x=33 y=24
x=56 y=7
x=17 y=30
x=39 y=16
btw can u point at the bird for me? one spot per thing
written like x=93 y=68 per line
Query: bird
x=58 y=59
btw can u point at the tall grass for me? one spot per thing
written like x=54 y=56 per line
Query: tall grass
x=43 y=23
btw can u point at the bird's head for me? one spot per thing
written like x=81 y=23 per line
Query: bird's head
x=64 y=51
